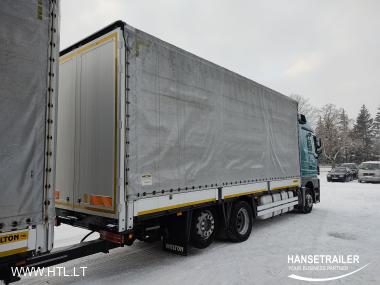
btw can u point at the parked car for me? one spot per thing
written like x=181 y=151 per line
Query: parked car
x=369 y=171
x=353 y=167
x=340 y=173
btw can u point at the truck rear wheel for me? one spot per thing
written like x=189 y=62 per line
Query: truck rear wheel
x=203 y=228
x=240 y=225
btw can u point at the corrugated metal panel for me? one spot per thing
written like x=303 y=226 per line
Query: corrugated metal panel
x=87 y=128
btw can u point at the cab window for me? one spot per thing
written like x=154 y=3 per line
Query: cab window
x=309 y=143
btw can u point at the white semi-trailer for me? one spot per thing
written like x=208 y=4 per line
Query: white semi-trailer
x=155 y=142
x=29 y=52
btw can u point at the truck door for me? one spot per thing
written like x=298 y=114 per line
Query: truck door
x=309 y=162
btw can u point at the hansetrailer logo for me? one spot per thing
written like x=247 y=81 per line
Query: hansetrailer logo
x=346 y=264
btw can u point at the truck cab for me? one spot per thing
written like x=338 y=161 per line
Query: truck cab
x=310 y=147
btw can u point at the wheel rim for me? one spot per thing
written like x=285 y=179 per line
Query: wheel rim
x=242 y=221
x=205 y=224
x=309 y=201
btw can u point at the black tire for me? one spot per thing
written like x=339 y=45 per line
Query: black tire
x=240 y=224
x=204 y=227
x=308 y=202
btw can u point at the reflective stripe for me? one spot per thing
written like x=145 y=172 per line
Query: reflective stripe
x=13 y=251
x=245 y=193
x=285 y=187
x=97 y=200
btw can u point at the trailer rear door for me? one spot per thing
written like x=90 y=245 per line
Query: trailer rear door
x=87 y=162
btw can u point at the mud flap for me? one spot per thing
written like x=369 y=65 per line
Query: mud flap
x=317 y=193
x=177 y=234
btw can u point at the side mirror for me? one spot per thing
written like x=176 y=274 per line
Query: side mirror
x=318 y=145
x=302 y=119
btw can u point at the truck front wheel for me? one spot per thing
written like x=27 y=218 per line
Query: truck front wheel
x=308 y=202
x=240 y=225
x=203 y=228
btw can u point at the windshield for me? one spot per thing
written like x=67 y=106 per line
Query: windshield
x=370 y=166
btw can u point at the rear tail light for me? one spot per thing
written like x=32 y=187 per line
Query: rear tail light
x=112 y=237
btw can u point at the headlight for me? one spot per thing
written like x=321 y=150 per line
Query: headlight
x=328 y=175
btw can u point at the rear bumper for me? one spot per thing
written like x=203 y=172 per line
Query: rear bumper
x=85 y=221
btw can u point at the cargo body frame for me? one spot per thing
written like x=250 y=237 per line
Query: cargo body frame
x=145 y=186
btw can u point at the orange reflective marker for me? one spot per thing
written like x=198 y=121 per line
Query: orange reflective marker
x=97 y=200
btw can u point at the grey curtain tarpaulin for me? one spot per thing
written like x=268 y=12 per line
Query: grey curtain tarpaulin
x=194 y=124
x=24 y=43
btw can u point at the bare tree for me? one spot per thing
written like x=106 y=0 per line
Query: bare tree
x=327 y=129
x=304 y=107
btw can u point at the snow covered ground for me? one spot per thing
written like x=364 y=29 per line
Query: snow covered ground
x=347 y=221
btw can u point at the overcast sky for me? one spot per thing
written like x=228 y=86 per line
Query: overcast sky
x=325 y=50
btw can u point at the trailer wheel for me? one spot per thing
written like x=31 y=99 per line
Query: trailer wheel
x=240 y=225
x=203 y=228
x=308 y=202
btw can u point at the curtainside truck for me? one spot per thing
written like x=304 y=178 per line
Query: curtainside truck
x=152 y=143
x=157 y=143
x=29 y=54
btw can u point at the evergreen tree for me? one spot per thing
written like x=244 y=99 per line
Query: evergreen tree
x=376 y=125
x=376 y=134
x=344 y=134
x=363 y=134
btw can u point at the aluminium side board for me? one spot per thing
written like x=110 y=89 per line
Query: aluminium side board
x=145 y=127
x=29 y=46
